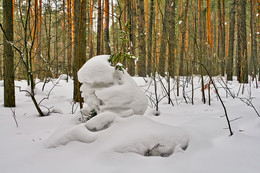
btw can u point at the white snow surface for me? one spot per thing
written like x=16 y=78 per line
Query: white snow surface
x=211 y=149
x=115 y=102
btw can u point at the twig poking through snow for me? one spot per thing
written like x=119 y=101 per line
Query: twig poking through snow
x=14 y=116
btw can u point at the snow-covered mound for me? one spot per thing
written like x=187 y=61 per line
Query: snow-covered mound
x=106 y=89
x=112 y=117
x=136 y=134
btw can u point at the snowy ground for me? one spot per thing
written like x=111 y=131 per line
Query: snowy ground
x=210 y=150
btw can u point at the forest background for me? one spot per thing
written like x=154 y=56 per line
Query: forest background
x=171 y=37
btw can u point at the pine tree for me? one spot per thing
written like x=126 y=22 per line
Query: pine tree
x=141 y=40
x=99 y=29
x=106 y=29
x=229 y=67
x=9 y=90
x=242 y=61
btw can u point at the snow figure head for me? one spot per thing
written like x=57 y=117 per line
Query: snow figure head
x=106 y=89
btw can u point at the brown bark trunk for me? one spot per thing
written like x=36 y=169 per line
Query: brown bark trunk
x=229 y=67
x=99 y=29
x=106 y=29
x=9 y=91
x=141 y=40
x=242 y=69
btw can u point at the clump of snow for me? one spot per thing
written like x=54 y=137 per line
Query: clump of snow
x=97 y=71
x=113 y=109
x=64 y=77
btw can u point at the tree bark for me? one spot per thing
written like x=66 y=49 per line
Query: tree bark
x=254 y=63
x=242 y=69
x=172 y=38
x=106 y=29
x=69 y=51
x=150 y=39
x=141 y=40
x=99 y=29
x=9 y=90
x=181 y=70
x=80 y=45
x=229 y=67
x=90 y=42
x=131 y=11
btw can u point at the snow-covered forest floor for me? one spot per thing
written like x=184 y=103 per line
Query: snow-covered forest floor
x=210 y=149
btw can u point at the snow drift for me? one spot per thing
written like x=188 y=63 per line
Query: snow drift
x=111 y=115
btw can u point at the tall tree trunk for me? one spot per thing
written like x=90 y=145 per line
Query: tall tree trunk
x=172 y=38
x=232 y=15
x=209 y=37
x=102 y=29
x=99 y=29
x=181 y=71
x=90 y=42
x=242 y=69
x=56 y=48
x=141 y=40
x=259 y=38
x=80 y=45
x=254 y=63
x=131 y=11
x=223 y=39
x=76 y=48
x=150 y=39
x=69 y=51
x=63 y=36
x=164 y=38
x=221 y=35
x=200 y=48
x=113 y=27
x=9 y=91
x=39 y=39
x=106 y=29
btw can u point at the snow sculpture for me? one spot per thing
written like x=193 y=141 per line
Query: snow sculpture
x=112 y=113
x=108 y=92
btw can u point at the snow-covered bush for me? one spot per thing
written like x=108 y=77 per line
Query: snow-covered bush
x=113 y=109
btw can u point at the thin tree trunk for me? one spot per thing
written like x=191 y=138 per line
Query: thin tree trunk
x=102 y=29
x=141 y=40
x=56 y=48
x=69 y=51
x=150 y=39
x=63 y=35
x=132 y=19
x=172 y=38
x=200 y=48
x=106 y=29
x=164 y=39
x=254 y=63
x=99 y=29
x=113 y=27
x=209 y=37
x=181 y=71
x=90 y=42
